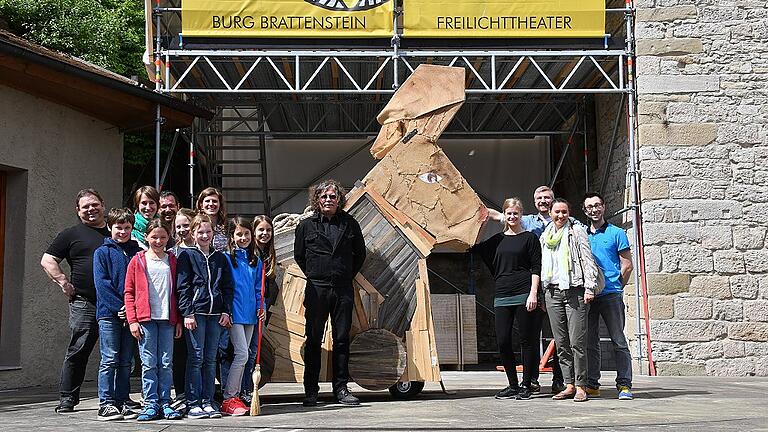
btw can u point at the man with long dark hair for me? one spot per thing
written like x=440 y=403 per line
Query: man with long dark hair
x=330 y=250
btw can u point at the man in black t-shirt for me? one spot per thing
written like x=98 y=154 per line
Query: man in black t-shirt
x=76 y=245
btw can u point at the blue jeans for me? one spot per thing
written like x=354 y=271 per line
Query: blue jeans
x=116 y=347
x=202 y=346
x=611 y=308
x=156 y=352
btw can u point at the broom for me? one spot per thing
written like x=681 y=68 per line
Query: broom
x=256 y=376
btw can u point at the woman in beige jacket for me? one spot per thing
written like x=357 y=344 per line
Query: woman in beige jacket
x=571 y=280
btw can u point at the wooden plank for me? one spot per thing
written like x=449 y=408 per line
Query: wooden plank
x=359 y=312
x=419 y=320
x=377 y=359
x=360 y=279
x=402 y=218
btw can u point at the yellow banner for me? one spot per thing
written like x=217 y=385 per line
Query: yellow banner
x=287 y=18
x=503 y=18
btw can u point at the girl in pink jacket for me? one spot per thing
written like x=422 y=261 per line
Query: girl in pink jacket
x=151 y=311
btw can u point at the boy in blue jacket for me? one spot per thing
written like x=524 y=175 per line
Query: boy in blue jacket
x=110 y=262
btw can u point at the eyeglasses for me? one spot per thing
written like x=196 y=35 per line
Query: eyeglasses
x=328 y=197
x=593 y=207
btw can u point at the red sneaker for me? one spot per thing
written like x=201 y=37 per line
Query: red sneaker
x=234 y=407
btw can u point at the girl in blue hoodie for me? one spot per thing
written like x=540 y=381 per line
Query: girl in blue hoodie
x=204 y=281
x=247 y=310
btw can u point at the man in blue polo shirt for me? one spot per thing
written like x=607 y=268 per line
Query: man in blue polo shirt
x=610 y=248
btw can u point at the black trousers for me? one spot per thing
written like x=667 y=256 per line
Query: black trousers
x=320 y=302
x=542 y=326
x=84 y=333
x=507 y=318
x=180 y=364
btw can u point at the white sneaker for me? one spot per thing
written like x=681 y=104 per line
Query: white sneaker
x=197 y=413
x=211 y=411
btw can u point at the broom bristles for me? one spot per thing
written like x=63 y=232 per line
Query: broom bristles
x=255 y=405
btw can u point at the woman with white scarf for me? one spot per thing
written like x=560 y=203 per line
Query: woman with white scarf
x=569 y=277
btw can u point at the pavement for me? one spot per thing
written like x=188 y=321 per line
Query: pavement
x=661 y=403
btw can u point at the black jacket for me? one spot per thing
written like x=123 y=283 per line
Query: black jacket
x=329 y=264
x=204 y=282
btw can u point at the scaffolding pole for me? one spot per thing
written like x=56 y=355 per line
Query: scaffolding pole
x=643 y=333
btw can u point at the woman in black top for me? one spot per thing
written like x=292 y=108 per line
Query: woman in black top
x=514 y=259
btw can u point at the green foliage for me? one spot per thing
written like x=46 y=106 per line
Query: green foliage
x=108 y=33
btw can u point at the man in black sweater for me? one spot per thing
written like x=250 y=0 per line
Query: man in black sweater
x=330 y=250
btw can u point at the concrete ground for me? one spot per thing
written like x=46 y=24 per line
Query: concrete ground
x=662 y=403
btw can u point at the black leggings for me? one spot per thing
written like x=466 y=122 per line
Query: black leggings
x=506 y=318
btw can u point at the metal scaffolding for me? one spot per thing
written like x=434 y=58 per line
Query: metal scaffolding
x=332 y=92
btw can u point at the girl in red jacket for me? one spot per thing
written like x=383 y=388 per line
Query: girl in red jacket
x=151 y=311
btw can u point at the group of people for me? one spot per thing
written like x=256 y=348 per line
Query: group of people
x=189 y=287
x=550 y=264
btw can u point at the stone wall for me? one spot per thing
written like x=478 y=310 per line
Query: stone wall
x=702 y=75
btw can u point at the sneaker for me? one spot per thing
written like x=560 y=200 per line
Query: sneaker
x=180 y=403
x=65 y=406
x=132 y=404
x=593 y=392
x=535 y=387
x=108 y=413
x=310 y=400
x=557 y=387
x=129 y=413
x=234 y=407
x=508 y=392
x=171 y=414
x=197 y=413
x=150 y=412
x=211 y=411
x=524 y=394
x=345 y=397
x=625 y=393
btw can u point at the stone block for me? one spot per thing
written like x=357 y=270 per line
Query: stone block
x=687 y=134
x=728 y=310
x=716 y=287
x=686 y=258
x=761 y=366
x=671 y=233
x=756 y=348
x=756 y=310
x=689 y=331
x=745 y=237
x=654 y=189
x=661 y=84
x=763 y=293
x=667 y=283
x=660 y=307
x=716 y=237
x=733 y=349
x=655 y=169
x=729 y=262
x=666 y=351
x=704 y=351
x=693 y=308
x=748 y=331
x=667 y=13
x=649 y=65
x=669 y=46
x=687 y=189
x=756 y=261
x=731 y=367
x=681 y=368
x=689 y=210
x=652 y=259
x=682 y=112
x=744 y=286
